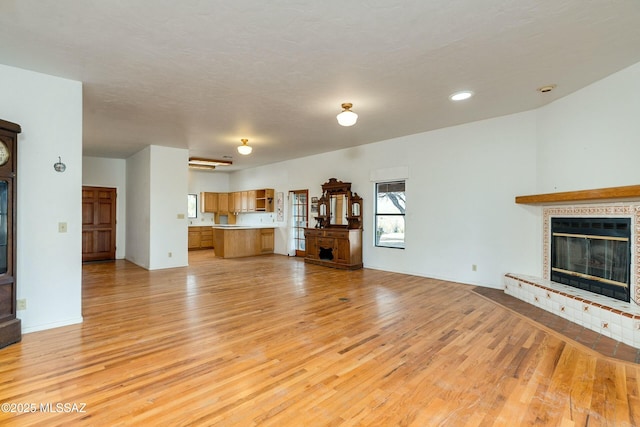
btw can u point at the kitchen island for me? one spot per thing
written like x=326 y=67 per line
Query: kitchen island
x=234 y=241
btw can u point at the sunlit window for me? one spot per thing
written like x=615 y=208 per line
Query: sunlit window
x=390 y=212
x=192 y=205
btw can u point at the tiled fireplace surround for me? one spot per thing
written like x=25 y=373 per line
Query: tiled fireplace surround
x=616 y=319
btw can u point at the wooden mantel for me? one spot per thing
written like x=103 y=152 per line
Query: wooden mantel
x=611 y=193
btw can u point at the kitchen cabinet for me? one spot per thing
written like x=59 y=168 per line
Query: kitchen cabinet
x=208 y=202
x=223 y=203
x=267 y=240
x=237 y=201
x=242 y=241
x=206 y=238
x=260 y=200
x=264 y=200
x=251 y=201
x=200 y=237
x=244 y=197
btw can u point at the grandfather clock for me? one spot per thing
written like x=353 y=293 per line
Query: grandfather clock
x=10 y=331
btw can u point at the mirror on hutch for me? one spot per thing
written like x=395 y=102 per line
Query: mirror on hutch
x=336 y=240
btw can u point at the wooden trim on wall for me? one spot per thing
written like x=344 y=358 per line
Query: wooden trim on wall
x=611 y=193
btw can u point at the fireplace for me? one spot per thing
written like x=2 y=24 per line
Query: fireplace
x=597 y=246
x=593 y=254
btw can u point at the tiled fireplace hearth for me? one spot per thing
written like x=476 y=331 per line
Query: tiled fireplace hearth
x=616 y=319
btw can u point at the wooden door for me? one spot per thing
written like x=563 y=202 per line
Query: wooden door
x=98 y=223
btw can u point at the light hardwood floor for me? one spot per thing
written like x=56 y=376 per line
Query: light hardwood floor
x=271 y=341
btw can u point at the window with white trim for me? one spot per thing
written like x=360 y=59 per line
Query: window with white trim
x=390 y=213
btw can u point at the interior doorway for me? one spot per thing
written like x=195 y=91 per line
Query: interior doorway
x=98 y=223
x=300 y=213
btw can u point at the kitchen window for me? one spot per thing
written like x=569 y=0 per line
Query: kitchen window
x=390 y=213
x=192 y=205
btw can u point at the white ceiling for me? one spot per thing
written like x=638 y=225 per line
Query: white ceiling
x=202 y=74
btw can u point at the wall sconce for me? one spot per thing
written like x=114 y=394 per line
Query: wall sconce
x=59 y=166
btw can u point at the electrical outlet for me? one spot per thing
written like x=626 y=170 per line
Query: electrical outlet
x=21 y=304
x=62 y=227
x=474 y=267
x=170 y=254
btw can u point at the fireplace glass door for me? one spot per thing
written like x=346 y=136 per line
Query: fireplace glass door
x=599 y=258
x=592 y=254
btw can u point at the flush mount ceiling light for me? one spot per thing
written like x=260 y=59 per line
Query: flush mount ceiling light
x=461 y=96
x=207 y=164
x=347 y=117
x=244 y=149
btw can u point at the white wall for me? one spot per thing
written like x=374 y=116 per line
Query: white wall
x=211 y=181
x=168 y=207
x=49 y=263
x=591 y=139
x=461 y=186
x=101 y=172
x=138 y=202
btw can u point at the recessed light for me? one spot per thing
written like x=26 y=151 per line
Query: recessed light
x=547 y=88
x=461 y=96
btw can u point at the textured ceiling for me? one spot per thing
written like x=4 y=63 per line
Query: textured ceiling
x=203 y=74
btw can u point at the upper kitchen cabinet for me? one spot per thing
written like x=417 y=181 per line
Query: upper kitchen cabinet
x=238 y=202
x=264 y=200
x=209 y=202
x=252 y=200
x=223 y=203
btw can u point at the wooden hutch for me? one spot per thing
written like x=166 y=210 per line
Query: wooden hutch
x=336 y=241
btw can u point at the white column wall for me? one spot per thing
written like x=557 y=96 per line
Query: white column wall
x=168 y=207
x=138 y=199
x=49 y=263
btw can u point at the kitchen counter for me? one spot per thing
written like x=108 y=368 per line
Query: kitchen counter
x=234 y=241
